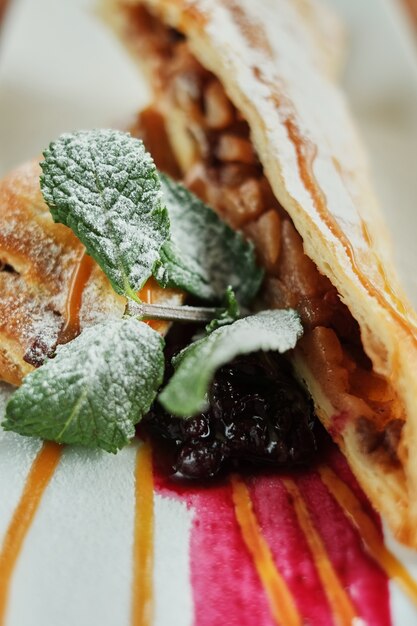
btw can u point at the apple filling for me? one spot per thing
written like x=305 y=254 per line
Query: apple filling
x=194 y=132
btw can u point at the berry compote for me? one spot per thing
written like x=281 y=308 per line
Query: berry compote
x=257 y=414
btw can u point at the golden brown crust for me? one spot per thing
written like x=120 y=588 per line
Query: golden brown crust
x=41 y=252
x=311 y=154
x=38 y=259
x=38 y=262
x=320 y=28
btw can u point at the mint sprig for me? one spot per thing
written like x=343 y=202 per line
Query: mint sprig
x=195 y=366
x=204 y=255
x=94 y=390
x=228 y=314
x=105 y=187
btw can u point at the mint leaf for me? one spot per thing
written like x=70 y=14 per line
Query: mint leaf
x=94 y=390
x=204 y=255
x=185 y=394
x=228 y=315
x=105 y=187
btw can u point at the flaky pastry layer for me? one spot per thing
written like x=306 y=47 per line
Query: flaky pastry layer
x=271 y=66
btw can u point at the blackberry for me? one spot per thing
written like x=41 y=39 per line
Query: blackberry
x=257 y=414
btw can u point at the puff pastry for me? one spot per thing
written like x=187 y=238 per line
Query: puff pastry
x=320 y=235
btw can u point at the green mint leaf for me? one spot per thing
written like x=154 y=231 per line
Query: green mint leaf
x=228 y=315
x=105 y=187
x=195 y=366
x=94 y=390
x=204 y=255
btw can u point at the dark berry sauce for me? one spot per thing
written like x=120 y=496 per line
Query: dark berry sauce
x=258 y=414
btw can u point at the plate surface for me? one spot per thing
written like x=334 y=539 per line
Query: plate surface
x=60 y=70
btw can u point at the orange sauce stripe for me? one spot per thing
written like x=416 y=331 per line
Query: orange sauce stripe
x=368 y=531
x=341 y=605
x=41 y=472
x=281 y=601
x=143 y=548
x=79 y=280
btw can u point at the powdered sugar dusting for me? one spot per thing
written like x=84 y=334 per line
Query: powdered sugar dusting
x=259 y=51
x=42 y=252
x=104 y=185
x=95 y=389
x=99 y=302
x=27 y=316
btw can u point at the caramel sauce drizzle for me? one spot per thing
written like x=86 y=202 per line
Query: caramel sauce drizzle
x=281 y=601
x=341 y=605
x=81 y=274
x=368 y=532
x=41 y=472
x=143 y=548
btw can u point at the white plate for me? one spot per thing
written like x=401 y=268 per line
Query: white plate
x=60 y=70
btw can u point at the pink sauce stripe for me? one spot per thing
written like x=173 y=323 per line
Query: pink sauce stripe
x=282 y=604
x=344 y=612
x=365 y=582
x=226 y=585
x=278 y=521
x=360 y=575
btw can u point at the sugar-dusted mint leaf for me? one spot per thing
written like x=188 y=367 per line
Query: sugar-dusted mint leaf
x=195 y=366
x=94 y=390
x=105 y=187
x=204 y=255
x=227 y=315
